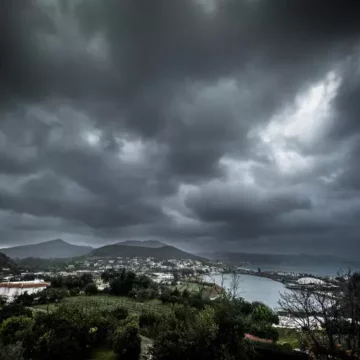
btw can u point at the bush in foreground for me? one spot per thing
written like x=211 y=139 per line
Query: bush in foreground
x=12 y=329
x=127 y=342
x=11 y=352
x=91 y=289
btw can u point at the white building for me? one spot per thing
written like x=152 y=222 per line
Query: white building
x=310 y=281
x=9 y=290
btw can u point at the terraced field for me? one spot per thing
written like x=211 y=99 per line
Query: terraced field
x=107 y=302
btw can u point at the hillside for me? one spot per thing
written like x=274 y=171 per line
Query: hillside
x=146 y=243
x=47 y=250
x=164 y=252
x=6 y=262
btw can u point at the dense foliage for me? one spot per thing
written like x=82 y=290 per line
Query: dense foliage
x=127 y=342
x=329 y=320
x=190 y=327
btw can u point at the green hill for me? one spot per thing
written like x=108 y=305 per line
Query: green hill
x=47 y=250
x=144 y=243
x=6 y=263
x=161 y=253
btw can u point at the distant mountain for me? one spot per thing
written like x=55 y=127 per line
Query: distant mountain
x=278 y=259
x=6 y=262
x=146 y=243
x=49 y=249
x=163 y=252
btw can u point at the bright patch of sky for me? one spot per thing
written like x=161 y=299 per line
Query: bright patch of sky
x=93 y=137
x=132 y=151
x=238 y=172
x=67 y=34
x=303 y=123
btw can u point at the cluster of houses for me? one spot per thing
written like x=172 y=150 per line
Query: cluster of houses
x=145 y=265
x=161 y=271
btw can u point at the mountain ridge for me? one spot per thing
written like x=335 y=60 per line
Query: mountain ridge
x=51 y=249
x=276 y=259
x=166 y=252
x=143 y=243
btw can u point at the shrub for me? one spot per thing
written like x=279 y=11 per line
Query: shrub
x=127 y=342
x=270 y=351
x=11 y=352
x=287 y=347
x=24 y=299
x=105 y=327
x=10 y=310
x=148 y=319
x=51 y=295
x=262 y=313
x=64 y=334
x=91 y=289
x=264 y=332
x=12 y=329
x=120 y=313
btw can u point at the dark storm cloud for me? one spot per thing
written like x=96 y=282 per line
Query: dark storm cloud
x=111 y=111
x=48 y=195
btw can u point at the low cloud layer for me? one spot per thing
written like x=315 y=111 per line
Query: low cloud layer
x=208 y=124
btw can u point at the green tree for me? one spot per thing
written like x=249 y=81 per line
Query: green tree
x=10 y=310
x=12 y=329
x=25 y=299
x=67 y=333
x=91 y=289
x=108 y=275
x=209 y=334
x=52 y=295
x=127 y=342
x=11 y=352
x=122 y=284
x=263 y=314
x=120 y=313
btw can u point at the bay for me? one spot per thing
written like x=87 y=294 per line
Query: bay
x=252 y=288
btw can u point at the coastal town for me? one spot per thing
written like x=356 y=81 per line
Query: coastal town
x=30 y=279
x=150 y=286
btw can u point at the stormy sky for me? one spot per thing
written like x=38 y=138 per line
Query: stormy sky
x=209 y=124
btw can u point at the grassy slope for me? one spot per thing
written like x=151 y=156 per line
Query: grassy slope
x=108 y=354
x=289 y=336
x=104 y=302
x=103 y=354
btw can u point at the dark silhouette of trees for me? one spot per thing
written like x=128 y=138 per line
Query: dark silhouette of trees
x=330 y=321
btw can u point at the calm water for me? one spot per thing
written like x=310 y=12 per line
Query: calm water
x=321 y=270
x=254 y=288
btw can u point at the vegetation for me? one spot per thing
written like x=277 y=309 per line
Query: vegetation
x=291 y=337
x=11 y=352
x=134 y=317
x=329 y=322
x=108 y=303
x=127 y=341
x=103 y=354
x=91 y=289
x=7 y=263
x=47 y=249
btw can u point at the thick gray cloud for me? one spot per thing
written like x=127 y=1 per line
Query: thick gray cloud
x=197 y=122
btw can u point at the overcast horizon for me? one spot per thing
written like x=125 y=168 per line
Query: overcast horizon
x=211 y=125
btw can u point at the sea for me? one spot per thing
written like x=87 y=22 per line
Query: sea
x=323 y=270
x=255 y=288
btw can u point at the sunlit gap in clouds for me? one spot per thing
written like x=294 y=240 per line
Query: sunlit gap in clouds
x=302 y=124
